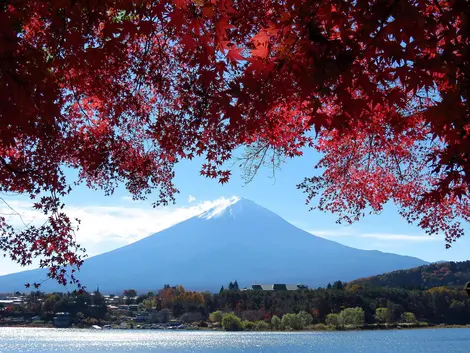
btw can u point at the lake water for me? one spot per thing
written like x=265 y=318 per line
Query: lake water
x=13 y=340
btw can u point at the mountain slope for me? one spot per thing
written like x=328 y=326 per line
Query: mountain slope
x=452 y=274
x=241 y=241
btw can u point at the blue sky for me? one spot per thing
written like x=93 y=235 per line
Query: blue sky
x=109 y=222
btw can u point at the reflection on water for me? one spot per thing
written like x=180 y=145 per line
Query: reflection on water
x=120 y=341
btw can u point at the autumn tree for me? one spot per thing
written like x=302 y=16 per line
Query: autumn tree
x=121 y=91
x=130 y=293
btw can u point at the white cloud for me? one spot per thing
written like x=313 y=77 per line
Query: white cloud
x=130 y=199
x=404 y=237
x=333 y=233
x=191 y=198
x=385 y=237
x=104 y=228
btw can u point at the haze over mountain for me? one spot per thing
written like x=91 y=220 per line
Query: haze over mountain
x=240 y=241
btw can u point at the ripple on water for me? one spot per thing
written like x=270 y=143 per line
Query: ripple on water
x=120 y=341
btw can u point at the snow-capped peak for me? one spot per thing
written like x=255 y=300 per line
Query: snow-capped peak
x=220 y=209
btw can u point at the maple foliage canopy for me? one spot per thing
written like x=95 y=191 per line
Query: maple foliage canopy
x=122 y=90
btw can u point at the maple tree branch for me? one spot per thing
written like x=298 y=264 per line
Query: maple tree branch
x=251 y=167
x=79 y=104
x=12 y=169
x=147 y=47
x=398 y=165
x=256 y=167
x=15 y=212
x=382 y=24
x=369 y=154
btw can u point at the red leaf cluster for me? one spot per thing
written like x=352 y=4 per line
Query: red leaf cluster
x=123 y=90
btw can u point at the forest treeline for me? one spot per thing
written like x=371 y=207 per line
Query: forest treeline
x=398 y=297
x=449 y=274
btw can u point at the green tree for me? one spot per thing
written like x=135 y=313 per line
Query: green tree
x=332 y=320
x=149 y=303
x=381 y=314
x=99 y=308
x=248 y=325
x=233 y=286
x=261 y=325
x=80 y=316
x=338 y=285
x=457 y=305
x=352 y=316
x=50 y=302
x=395 y=311
x=231 y=322
x=62 y=305
x=216 y=316
x=305 y=318
x=292 y=321
x=276 y=322
x=409 y=318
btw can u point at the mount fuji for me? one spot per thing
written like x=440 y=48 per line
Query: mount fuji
x=237 y=241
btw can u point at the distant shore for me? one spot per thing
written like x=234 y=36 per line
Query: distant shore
x=314 y=328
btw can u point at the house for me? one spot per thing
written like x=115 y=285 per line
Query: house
x=134 y=307
x=277 y=287
x=142 y=316
x=111 y=299
x=62 y=320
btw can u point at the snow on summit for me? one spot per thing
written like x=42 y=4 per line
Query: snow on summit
x=222 y=208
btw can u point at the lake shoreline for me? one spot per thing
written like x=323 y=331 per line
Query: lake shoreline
x=384 y=327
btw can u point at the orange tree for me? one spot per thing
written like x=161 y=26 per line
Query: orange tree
x=121 y=90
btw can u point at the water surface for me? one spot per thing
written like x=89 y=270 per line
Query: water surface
x=13 y=340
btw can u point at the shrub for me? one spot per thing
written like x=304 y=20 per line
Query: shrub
x=90 y=321
x=248 y=325
x=320 y=327
x=409 y=318
x=261 y=326
x=231 y=322
x=352 y=316
x=381 y=314
x=292 y=321
x=276 y=322
x=305 y=318
x=216 y=316
x=80 y=316
x=332 y=320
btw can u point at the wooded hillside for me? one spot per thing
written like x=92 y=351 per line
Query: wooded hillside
x=452 y=274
